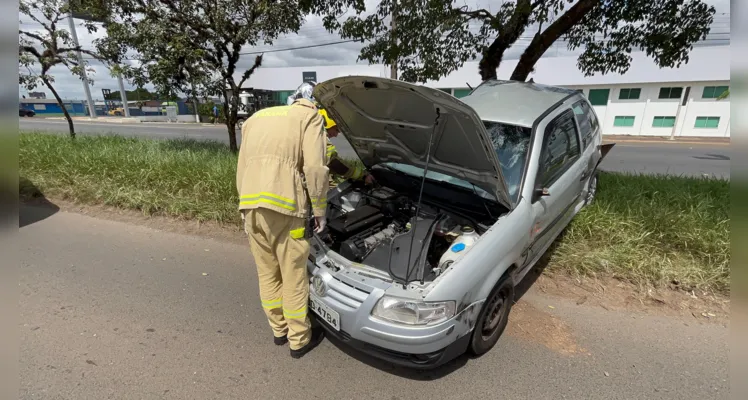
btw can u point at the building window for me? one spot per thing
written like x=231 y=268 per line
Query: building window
x=663 y=122
x=707 y=122
x=624 y=121
x=670 y=92
x=40 y=107
x=712 y=92
x=599 y=97
x=462 y=92
x=629 y=94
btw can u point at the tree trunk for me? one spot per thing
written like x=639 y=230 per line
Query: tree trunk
x=508 y=35
x=71 y=128
x=543 y=41
x=230 y=112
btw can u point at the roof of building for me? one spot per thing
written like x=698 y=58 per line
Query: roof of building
x=706 y=63
x=516 y=103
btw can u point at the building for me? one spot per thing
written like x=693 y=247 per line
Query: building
x=50 y=108
x=646 y=100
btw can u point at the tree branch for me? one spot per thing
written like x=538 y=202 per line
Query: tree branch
x=250 y=71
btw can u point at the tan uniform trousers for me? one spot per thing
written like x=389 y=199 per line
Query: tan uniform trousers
x=280 y=251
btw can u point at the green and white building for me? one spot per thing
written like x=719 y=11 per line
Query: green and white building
x=646 y=101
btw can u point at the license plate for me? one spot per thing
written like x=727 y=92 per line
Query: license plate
x=326 y=313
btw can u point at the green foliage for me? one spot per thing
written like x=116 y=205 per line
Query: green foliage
x=436 y=37
x=649 y=230
x=47 y=45
x=195 y=46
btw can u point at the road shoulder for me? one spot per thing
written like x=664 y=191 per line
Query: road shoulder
x=602 y=292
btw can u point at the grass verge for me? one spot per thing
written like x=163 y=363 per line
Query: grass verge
x=649 y=230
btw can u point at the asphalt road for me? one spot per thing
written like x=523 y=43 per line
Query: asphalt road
x=116 y=311
x=660 y=158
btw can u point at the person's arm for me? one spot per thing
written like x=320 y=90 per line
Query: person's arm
x=242 y=159
x=315 y=171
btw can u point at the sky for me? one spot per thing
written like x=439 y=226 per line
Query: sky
x=286 y=51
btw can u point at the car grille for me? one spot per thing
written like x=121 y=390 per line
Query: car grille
x=346 y=294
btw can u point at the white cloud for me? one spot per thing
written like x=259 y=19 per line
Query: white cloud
x=312 y=33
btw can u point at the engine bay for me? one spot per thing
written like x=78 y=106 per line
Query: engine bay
x=386 y=230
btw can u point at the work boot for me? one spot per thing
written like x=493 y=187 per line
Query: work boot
x=317 y=336
x=280 y=341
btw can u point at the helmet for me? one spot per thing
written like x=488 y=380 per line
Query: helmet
x=329 y=123
x=304 y=91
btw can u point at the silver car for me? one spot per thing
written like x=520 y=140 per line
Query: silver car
x=421 y=267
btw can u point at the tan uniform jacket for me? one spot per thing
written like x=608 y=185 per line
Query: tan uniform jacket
x=279 y=144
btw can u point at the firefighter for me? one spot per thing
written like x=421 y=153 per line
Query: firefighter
x=282 y=178
x=337 y=166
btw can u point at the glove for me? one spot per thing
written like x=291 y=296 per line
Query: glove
x=319 y=224
x=369 y=179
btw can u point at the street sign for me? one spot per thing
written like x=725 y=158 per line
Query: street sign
x=309 y=76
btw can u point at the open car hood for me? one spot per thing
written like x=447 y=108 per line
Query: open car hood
x=387 y=120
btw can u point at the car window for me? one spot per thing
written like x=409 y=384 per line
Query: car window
x=586 y=120
x=560 y=148
x=511 y=144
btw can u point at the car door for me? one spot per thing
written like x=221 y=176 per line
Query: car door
x=558 y=180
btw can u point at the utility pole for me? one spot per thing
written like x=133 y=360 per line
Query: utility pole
x=393 y=24
x=123 y=96
x=84 y=77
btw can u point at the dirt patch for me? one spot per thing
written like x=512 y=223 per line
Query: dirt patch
x=607 y=293
x=615 y=295
x=528 y=323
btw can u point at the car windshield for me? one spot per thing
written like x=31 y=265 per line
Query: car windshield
x=511 y=143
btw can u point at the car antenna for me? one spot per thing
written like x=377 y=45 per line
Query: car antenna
x=471 y=88
x=420 y=194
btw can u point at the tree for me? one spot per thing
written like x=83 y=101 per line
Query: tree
x=724 y=95
x=435 y=37
x=48 y=46
x=195 y=46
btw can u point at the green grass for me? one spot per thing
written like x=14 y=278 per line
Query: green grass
x=649 y=230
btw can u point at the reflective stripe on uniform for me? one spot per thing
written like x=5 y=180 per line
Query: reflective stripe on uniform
x=331 y=150
x=319 y=202
x=295 y=314
x=272 y=112
x=271 y=304
x=268 y=198
x=298 y=233
x=357 y=172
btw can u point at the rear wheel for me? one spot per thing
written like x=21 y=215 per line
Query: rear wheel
x=493 y=317
x=591 y=189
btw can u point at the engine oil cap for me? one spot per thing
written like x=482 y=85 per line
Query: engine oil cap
x=458 y=247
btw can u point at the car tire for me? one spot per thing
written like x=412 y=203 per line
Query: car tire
x=493 y=318
x=239 y=123
x=592 y=186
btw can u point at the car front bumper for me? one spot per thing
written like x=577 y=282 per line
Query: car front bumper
x=411 y=346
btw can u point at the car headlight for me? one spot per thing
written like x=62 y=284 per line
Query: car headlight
x=411 y=312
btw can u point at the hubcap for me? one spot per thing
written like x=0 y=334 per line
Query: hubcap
x=495 y=314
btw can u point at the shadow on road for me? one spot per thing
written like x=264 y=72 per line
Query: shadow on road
x=34 y=205
x=454 y=365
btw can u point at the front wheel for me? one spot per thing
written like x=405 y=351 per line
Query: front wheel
x=493 y=317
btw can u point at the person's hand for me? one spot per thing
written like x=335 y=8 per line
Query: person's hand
x=319 y=224
x=369 y=179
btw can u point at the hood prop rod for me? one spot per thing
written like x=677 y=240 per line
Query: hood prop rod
x=420 y=195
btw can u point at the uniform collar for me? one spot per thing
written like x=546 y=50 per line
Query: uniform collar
x=305 y=103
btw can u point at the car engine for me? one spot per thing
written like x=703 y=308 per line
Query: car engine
x=379 y=228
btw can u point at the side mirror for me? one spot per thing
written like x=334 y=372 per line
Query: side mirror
x=541 y=192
